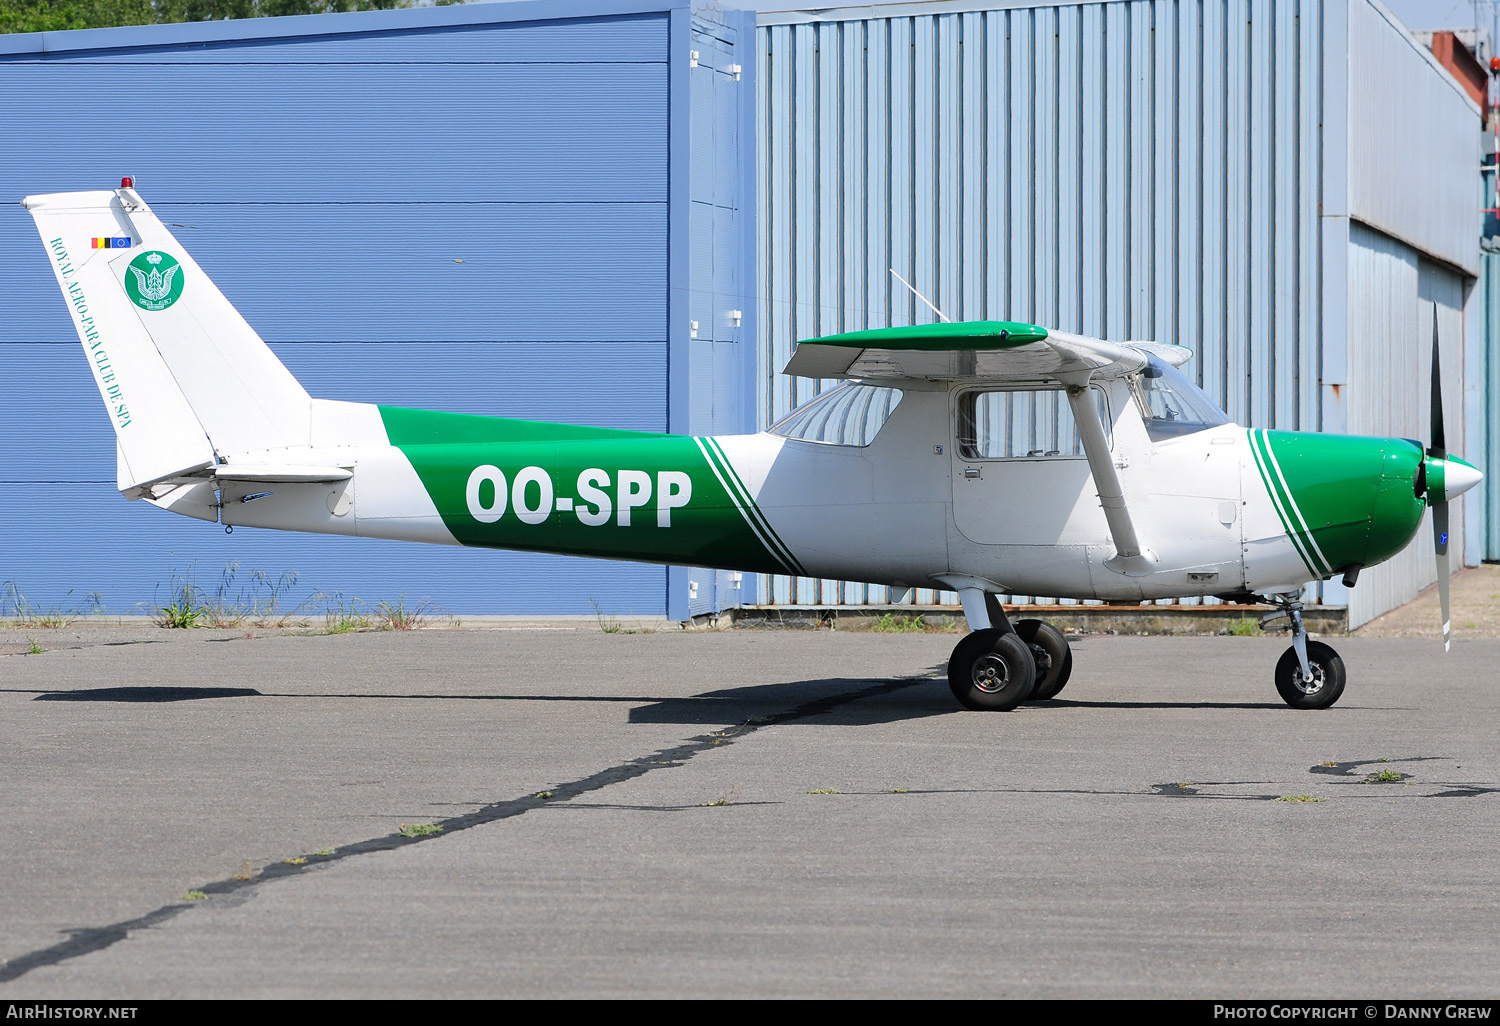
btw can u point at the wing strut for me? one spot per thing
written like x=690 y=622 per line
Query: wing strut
x=1129 y=558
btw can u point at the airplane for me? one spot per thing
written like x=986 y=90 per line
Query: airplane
x=984 y=457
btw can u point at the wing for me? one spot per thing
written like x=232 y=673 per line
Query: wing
x=1001 y=351
x=993 y=350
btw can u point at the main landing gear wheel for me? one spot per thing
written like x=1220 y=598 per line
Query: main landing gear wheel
x=1051 y=654
x=1327 y=682
x=991 y=670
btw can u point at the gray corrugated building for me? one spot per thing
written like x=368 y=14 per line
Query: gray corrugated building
x=1285 y=187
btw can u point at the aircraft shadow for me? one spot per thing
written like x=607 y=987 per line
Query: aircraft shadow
x=145 y=694
x=834 y=700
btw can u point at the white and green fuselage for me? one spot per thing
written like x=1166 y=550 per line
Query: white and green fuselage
x=211 y=425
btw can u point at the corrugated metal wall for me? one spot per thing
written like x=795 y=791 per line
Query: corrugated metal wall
x=1125 y=170
x=1134 y=169
x=1392 y=295
x=1490 y=408
x=459 y=208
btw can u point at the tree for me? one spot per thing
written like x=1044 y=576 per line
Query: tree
x=58 y=15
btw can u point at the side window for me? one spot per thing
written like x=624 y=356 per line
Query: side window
x=851 y=414
x=1020 y=424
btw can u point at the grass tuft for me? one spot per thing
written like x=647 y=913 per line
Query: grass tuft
x=17 y=608
x=824 y=790
x=419 y=830
x=1299 y=798
x=1245 y=627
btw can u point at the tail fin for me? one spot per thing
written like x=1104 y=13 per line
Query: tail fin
x=184 y=377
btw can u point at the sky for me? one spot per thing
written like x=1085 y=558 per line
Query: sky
x=1439 y=14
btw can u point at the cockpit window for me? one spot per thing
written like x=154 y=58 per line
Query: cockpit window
x=851 y=414
x=1007 y=424
x=1171 y=404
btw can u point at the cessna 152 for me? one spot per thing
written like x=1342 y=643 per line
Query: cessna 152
x=985 y=457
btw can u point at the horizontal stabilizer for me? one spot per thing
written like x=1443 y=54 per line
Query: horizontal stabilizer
x=280 y=473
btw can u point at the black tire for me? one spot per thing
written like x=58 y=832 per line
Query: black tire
x=991 y=670
x=1051 y=654
x=1327 y=683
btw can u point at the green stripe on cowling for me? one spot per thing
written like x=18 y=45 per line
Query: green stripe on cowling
x=1356 y=493
x=751 y=510
x=445 y=449
x=1296 y=521
x=942 y=337
x=1277 y=502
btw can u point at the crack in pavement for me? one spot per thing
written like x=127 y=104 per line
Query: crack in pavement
x=88 y=940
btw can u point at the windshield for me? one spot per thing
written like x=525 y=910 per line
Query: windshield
x=1171 y=404
x=851 y=414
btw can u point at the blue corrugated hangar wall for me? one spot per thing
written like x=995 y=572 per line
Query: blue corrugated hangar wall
x=540 y=210
x=1284 y=186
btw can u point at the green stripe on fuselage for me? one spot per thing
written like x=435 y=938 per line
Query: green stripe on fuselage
x=565 y=486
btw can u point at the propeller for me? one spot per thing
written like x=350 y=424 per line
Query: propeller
x=1442 y=477
x=1437 y=454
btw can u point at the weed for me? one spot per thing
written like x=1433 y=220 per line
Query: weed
x=1385 y=777
x=543 y=795
x=1245 y=627
x=194 y=896
x=245 y=872
x=1184 y=785
x=259 y=599
x=324 y=852
x=607 y=623
x=345 y=617
x=824 y=790
x=1299 y=798
x=717 y=803
x=398 y=616
x=419 y=830
x=610 y=624
x=890 y=623
x=295 y=861
x=14 y=605
x=34 y=648
x=181 y=613
x=1330 y=764
x=898 y=790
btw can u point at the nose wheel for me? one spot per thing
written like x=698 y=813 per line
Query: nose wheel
x=1310 y=674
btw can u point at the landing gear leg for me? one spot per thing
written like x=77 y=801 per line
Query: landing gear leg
x=1310 y=674
x=991 y=668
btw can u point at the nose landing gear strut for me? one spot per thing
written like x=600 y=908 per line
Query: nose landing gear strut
x=1310 y=674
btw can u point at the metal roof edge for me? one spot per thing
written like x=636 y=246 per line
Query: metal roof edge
x=150 y=37
x=1447 y=76
x=906 y=9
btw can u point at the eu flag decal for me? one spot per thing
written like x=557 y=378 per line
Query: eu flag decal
x=116 y=243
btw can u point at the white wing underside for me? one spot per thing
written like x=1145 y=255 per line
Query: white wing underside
x=1059 y=357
